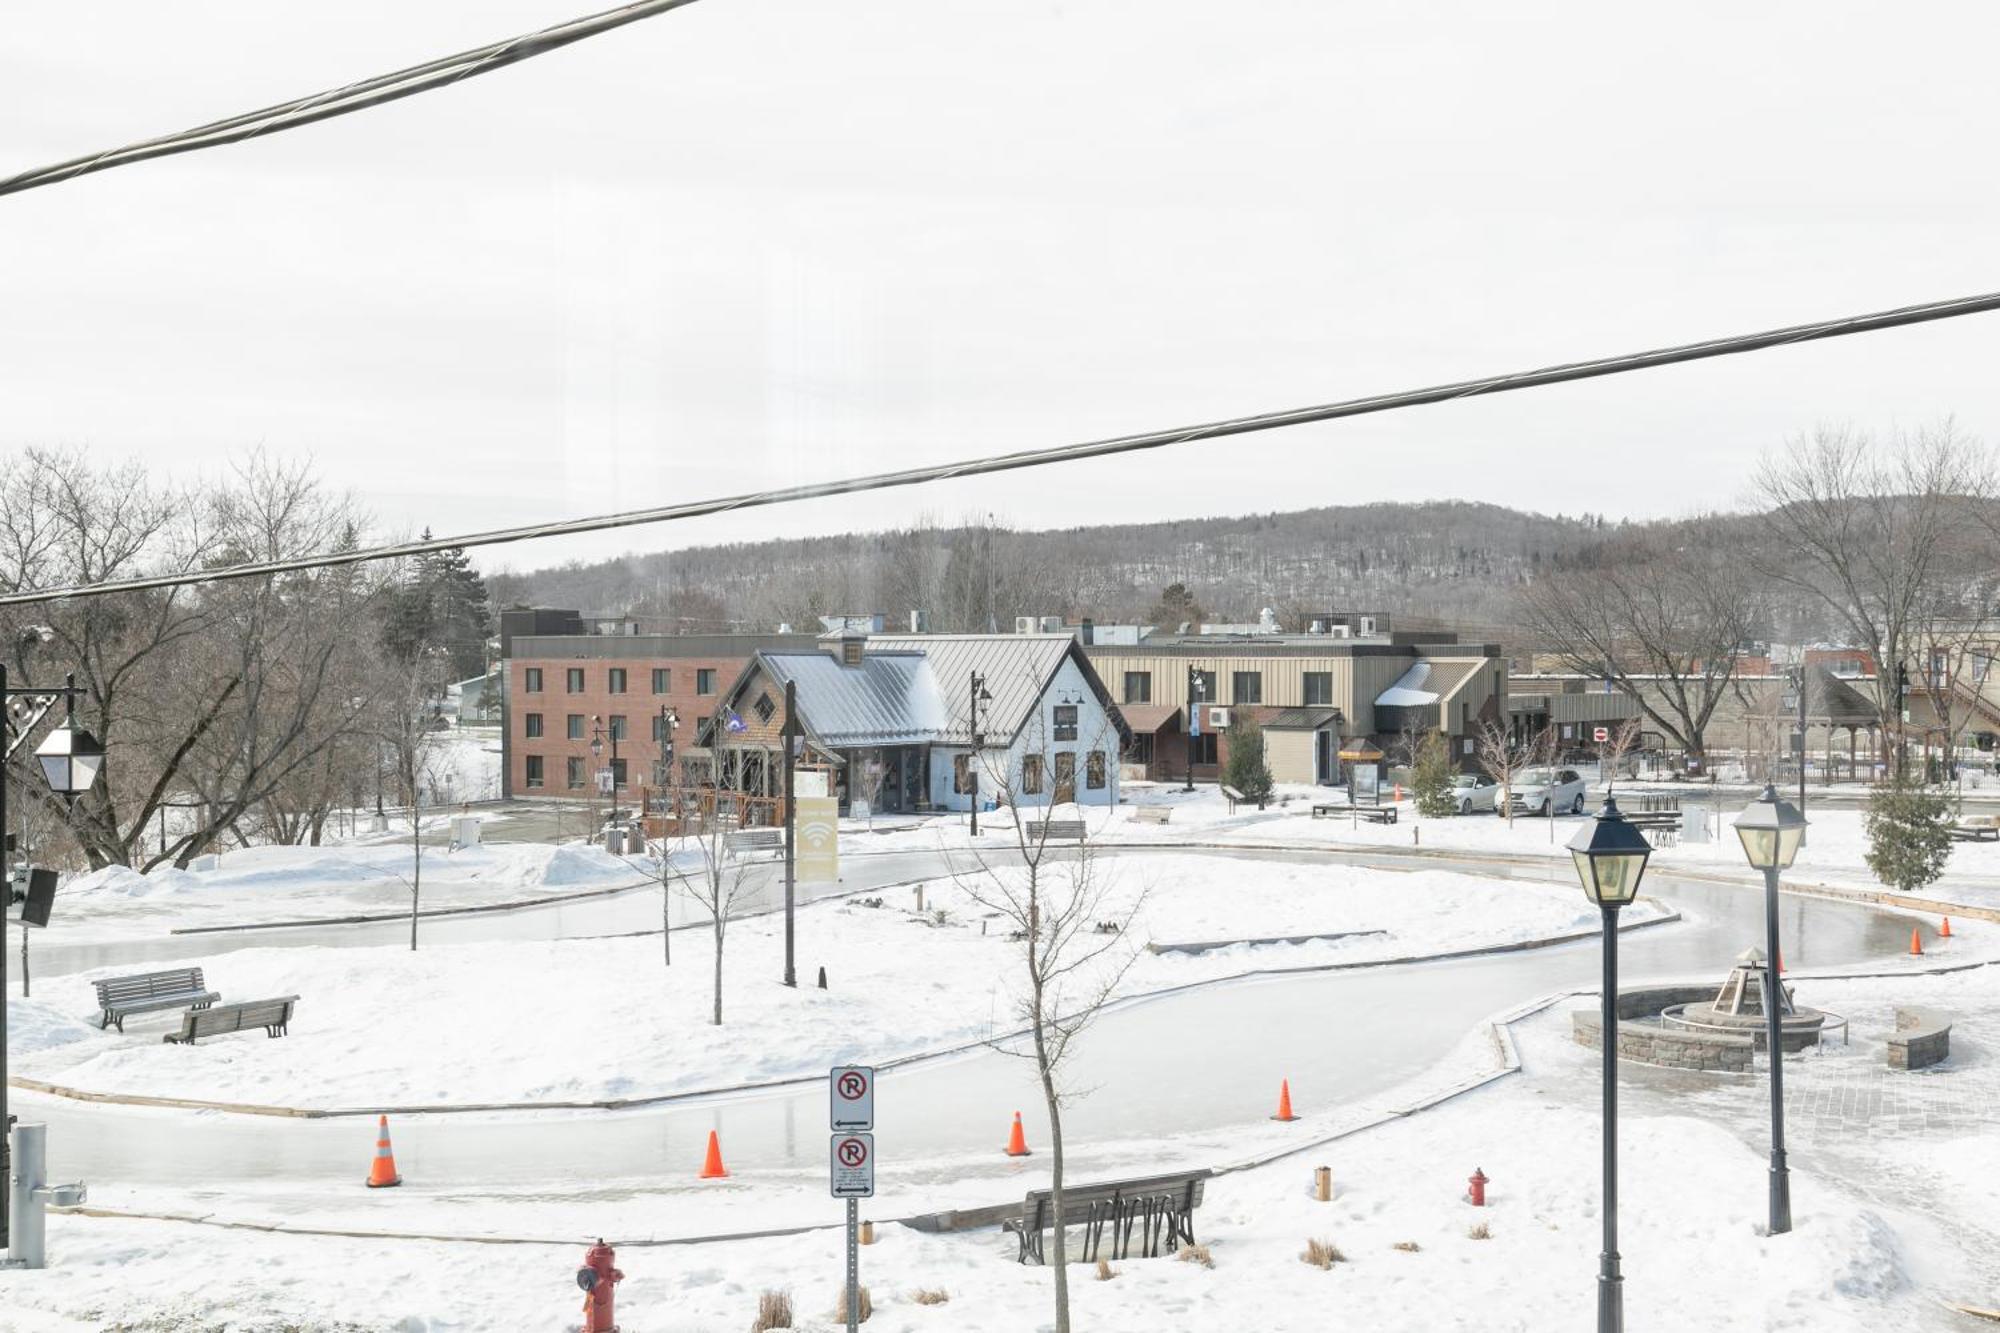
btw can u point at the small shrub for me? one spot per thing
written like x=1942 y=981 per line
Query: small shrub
x=1909 y=835
x=1105 y=1272
x=1323 y=1254
x=1406 y=1246
x=1195 y=1254
x=774 y=1310
x=930 y=1295
x=1479 y=1231
x=861 y=1316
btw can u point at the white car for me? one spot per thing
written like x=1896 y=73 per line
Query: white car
x=1544 y=791
x=1474 y=791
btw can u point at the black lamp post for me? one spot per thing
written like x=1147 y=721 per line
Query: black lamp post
x=1610 y=858
x=1195 y=695
x=597 y=752
x=979 y=696
x=1772 y=830
x=71 y=760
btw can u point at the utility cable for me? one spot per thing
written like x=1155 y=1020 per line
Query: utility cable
x=349 y=98
x=1067 y=453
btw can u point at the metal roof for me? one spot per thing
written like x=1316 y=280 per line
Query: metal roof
x=1302 y=719
x=1017 y=668
x=891 y=698
x=1146 y=719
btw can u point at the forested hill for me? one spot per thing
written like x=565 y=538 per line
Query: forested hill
x=1450 y=560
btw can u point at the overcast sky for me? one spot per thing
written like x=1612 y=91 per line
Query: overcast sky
x=760 y=241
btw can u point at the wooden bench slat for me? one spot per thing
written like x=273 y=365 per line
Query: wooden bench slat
x=1157 y=1211
x=274 y=1016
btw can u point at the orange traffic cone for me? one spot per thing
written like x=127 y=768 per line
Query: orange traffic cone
x=1399 y=791
x=1944 y=931
x=382 y=1173
x=1916 y=941
x=1284 y=1101
x=1781 y=962
x=1017 y=1142
x=711 y=1166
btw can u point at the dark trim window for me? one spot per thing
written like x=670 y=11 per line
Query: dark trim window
x=531 y=680
x=1138 y=687
x=961 y=773
x=1207 y=679
x=533 y=767
x=573 y=680
x=573 y=772
x=1031 y=775
x=1202 y=747
x=1319 y=687
x=531 y=726
x=617 y=680
x=573 y=726
x=704 y=680
x=763 y=708
x=1246 y=687
x=618 y=772
x=1093 y=771
x=663 y=680
x=618 y=729
x=1065 y=722
x=659 y=729
x=1065 y=776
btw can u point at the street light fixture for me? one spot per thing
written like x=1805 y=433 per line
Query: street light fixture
x=1196 y=693
x=1610 y=858
x=71 y=759
x=1772 y=830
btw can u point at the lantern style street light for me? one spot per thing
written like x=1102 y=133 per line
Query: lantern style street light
x=1196 y=694
x=1772 y=830
x=1610 y=858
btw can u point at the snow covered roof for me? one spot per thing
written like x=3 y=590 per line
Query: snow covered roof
x=1425 y=683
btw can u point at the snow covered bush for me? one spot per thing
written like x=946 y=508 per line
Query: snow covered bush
x=1431 y=773
x=1247 y=770
x=1909 y=834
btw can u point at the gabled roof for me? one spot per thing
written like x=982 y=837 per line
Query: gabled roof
x=891 y=698
x=1310 y=718
x=1017 y=668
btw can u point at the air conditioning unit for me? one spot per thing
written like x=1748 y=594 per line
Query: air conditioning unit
x=1024 y=624
x=1218 y=717
x=1052 y=624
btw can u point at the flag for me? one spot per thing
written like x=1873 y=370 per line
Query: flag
x=731 y=722
x=1194 y=718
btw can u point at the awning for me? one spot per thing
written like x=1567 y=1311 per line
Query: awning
x=1409 y=691
x=1302 y=719
x=1148 y=719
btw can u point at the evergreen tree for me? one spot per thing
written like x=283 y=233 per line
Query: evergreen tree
x=1431 y=773
x=1247 y=770
x=1909 y=834
x=1175 y=607
x=441 y=607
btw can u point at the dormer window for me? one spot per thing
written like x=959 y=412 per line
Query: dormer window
x=850 y=652
x=764 y=708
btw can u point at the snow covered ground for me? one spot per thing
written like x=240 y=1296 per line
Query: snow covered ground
x=903 y=983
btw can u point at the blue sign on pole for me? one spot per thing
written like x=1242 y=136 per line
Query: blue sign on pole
x=1194 y=718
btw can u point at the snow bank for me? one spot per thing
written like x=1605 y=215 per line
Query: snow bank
x=34 y=1026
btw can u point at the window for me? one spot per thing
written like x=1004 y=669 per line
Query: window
x=1319 y=687
x=1202 y=748
x=1065 y=777
x=1138 y=687
x=618 y=772
x=663 y=680
x=573 y=772
x=1207 y=680
x=1246 y=687
x=1031 y=775
x=573 y=680
x=704 y=680
x=531 y=680
x=534 y=770
x=1065 y=722
x=573 y=726
x=532 y=726
x=1093 y=771
x=961 y=773
x=618 y=731
x=763 y=708
x=659 y=728
x=617 y=675
x=850 y=653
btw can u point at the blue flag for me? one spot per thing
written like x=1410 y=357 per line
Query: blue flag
x=1194 y=718
x=731 y=722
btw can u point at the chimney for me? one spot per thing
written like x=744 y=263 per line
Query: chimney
x=1089 y=634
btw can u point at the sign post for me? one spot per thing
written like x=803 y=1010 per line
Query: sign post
x=851 y=1162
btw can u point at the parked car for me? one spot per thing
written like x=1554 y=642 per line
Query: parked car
x=1474 y=791
x=1543 y=791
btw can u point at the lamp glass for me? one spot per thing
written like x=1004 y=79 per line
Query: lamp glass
x=55 y=768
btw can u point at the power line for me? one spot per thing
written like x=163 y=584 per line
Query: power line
x=1029 y=458
x=351 y=97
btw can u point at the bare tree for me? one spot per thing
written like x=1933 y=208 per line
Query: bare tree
x=1663 y=618
x=717 y=883
x=1502 y=755
x=1885 y=538
x=1611 y=753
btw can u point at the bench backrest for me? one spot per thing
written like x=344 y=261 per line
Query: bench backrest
x=150 y=985
x=1055 y=828
x=1232 y=793
x=1186 y=1186
x=236 y=1017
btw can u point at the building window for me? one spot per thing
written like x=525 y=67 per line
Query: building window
x=573 y=680
x=1207 y=679
x=532 y=726
x=704 y=680
x=573 y=772
x=531 y=680
x=1202 y=748
x=1138 y=687
x=617 y=772
x=573 y=726
x=663 y=680
x=1065 y=777
x=1319 y=687
x=850 y=653
x=617 y=680
x=618 y=731
x=1246 y=687
x=763 y=708
x=1031 y=775
x=534 y=770
x=1065 y=722
x=1093 y=771
x=659 y=728
x=961 y=773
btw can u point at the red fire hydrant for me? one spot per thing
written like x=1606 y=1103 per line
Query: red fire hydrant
x=597 y=1277
x=1475 y=1193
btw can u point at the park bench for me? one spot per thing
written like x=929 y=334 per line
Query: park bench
x=1377 y=814
x=1152 y=814
x=143 y=992
x=1922 y=1037
x=1157 y=1211
x=1233 y=796
x=1054 y=830
x=1977 y=828
x=757 y=840
x=274 y=1016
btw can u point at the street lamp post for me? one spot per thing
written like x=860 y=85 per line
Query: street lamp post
x=1610 y=858
x=1771 y=830
x=1195 y=695
x=788 y=737
x=596 y=753
x=979 y=696
x=71 y=761
x=662 y=778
